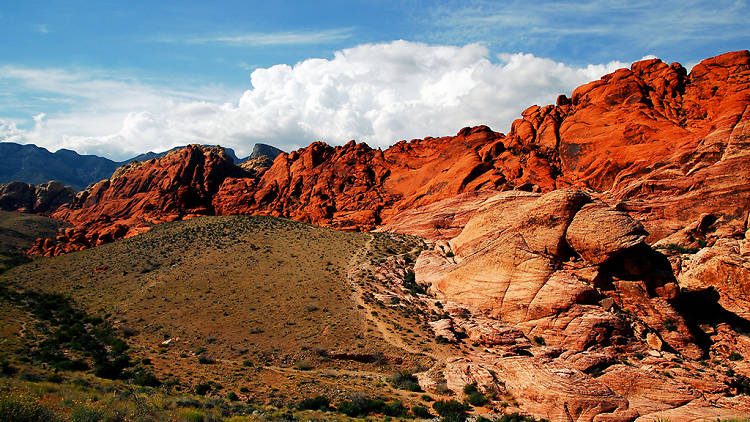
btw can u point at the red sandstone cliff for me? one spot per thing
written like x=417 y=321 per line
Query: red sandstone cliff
x=663 y=144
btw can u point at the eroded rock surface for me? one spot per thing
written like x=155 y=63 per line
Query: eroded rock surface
x=587 y=299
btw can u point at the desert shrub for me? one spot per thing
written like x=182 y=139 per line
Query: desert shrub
x=247 y=363
x=187 y=402
x=741 y=383
x=202 y=389
x=411 y=285
x=232 y=396
x=55 y=378
x=735 y=356
x=360 y=406
x=473 y=396
x=145 y=378
x=317 y=403
x=19 y=406
x=539 y=340
x=7 y=369
x=404 y=380
x=86 y=414
x=421 y=412
x=395 y=408
x=670 y=325
x=451 y=410
x=204 y=360
x=449 y=254
x=192 y=416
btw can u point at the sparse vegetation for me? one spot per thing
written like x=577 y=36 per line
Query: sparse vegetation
x=451 y=410
x=734 y=356
x=321 y=403
x=473 y=396
x=679 y=249
x=404 y=380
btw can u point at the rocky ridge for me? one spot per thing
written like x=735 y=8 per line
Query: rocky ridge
x=694 y=128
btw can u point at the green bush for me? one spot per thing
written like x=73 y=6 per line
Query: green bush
x=405 y=380
x=735 y=356
x=421 y=412
x=202 y=389
x=86 y=414
x=360 y=406
x=411 y=285
x=395 y=409
x=741 y=383
x=317 y=403
x=203 y=360
x=145 y=378
x=473 y=396
x=192 y=416
x=451 y=411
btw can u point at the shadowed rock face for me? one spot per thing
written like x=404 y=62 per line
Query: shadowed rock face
x=40 y=199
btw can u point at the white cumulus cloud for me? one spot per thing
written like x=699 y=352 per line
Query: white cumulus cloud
x=377 y=93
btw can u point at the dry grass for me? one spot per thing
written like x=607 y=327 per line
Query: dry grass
x=264 y=302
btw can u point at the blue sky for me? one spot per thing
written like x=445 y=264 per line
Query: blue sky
x=114 y=78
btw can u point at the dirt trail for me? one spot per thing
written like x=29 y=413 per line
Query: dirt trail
x=357 y=261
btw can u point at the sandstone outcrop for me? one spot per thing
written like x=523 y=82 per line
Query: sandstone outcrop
x=40 y=199
x=178 y=185
x=530 y=266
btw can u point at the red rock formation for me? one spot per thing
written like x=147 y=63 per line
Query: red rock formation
x=665 y=145
x=178 y=185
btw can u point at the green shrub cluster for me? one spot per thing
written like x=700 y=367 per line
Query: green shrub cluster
x=66 y=328
x=321 y=403
x=473 y=396
x=405 y=380
x=451 y=410
x=411 y=284
x=361 y=406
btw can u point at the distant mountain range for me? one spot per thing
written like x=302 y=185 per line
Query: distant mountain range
x=36 y=165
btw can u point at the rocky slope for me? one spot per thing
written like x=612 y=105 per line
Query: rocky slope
x=577 y=278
